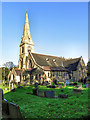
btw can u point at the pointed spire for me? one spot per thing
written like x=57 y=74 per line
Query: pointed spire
x=26 y=31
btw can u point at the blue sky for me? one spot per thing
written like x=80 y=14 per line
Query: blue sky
x=59 y=29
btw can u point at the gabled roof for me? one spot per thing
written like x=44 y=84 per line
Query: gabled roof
x=48 y=62
x=18 y=71
x=71 y=64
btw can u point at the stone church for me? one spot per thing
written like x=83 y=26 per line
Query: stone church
x=40 y=67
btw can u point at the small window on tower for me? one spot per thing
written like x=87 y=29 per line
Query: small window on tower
x=29 y=48
x=22 y=49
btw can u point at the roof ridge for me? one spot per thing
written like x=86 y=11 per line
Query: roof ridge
x=49 y=55
x=72 y=59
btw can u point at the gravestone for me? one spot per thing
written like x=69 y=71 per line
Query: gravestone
x=67 y=82
x=62 y=96
x=74 y=84
x=34 y=91
x=60 y=86
x=52 y=86
x=1 y=98
x=14 y=111
x=49 y=86
x=13 y=90
x=1 y=95
x=62 y=90
x=64 y=85
x=70 y=83
x=77 y=91
x=41 y=93
x=10 y=110
x=5 y=107
x=49 y=94
x=36 y=85
x=87 y=86
x=19 y=87
x=79 y=86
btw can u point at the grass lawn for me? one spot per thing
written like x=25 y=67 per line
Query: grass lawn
x=75 y=106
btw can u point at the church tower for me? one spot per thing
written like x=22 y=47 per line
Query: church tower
x=26 y=44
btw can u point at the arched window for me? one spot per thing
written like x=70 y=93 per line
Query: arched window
x=22 y=49
x=30 y=64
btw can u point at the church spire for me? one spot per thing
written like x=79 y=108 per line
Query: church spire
x=26 y=31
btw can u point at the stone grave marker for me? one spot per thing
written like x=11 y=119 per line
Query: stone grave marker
x=62 y=96
x=75 y=84
x=41 y=93
x=36 y=85
x=64 y=85
x=62 y=90
x=79 y=86
x=20 y=87
x=5 y=108
x=13 y=90
x=1 y=98
x=60 y=86
x=14 y=111
x=35 y=89
x=77 y=91
x=87 y=85
x=50 y=94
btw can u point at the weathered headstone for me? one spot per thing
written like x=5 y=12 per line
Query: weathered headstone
x=34 y=91
x=70 y=83
x=19 y=87
x=77 y=91
x=14 y=111
x=62 y=96
x=79 y=86
x=1 y=98
x=36 y=85
x=74 y=84
x=5 y=108
x=67 y=82
x=51 y=86
x=62 y=90
x=1 y=94
x=87 y=86
x=49 y=94
x=13 y=90
x=64 y=85
x=60 y=86
x=41 y=93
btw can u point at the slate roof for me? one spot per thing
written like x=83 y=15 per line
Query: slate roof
x=48 y=68
x=55 y=63
x=71 y=64
x=48 y=60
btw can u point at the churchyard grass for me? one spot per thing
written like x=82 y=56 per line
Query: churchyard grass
x=31 y=106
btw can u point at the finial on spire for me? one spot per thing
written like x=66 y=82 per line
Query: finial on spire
x=26 y=10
